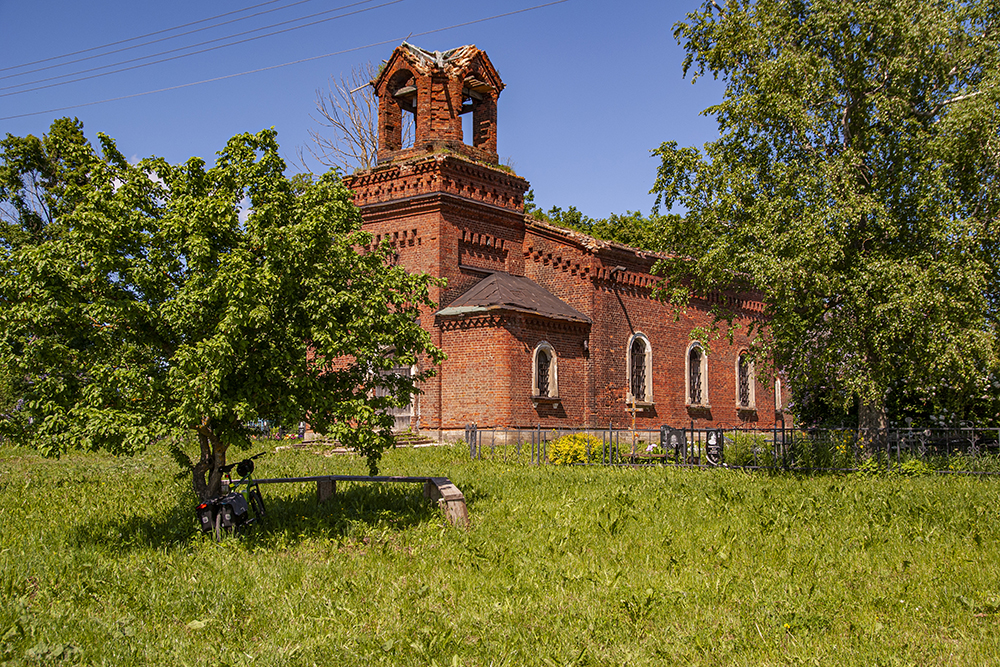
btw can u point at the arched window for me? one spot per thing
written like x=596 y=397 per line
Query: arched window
x=745 y=382
x=696 y=366
x=639 y=366
x=402 y=415
x=779 y=404
x=545 y=378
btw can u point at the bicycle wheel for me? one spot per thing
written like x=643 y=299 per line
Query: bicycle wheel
x=257 y=503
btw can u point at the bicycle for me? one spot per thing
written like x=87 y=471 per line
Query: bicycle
x=231 y=512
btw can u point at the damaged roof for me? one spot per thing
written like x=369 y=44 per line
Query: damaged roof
x=467 y=61
x=502 y=291
x=460 y=55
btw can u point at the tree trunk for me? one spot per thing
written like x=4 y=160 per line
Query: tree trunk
x=872 y=420
x=872 y=417
x=207 y=472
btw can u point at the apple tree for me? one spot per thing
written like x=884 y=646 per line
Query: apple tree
x=140 y=301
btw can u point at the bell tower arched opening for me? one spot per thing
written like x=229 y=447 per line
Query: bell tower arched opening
x=452 y=96
x=480 y=106
x=399 y=98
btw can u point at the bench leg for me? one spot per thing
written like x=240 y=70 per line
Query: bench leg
x=456 y=511
x=325 y=488
x=450 y=499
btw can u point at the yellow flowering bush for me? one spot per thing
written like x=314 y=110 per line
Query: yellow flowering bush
x=576 y=448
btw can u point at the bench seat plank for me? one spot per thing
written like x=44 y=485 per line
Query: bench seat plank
x=449 y=497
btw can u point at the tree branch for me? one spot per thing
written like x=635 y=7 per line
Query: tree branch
x=349 y=108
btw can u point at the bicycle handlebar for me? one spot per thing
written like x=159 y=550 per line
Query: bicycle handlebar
x=228 y=468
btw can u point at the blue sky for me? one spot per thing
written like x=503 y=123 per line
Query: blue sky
x=591 y=87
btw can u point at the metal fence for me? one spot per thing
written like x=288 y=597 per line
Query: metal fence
x=265 y=430
x=965 y=449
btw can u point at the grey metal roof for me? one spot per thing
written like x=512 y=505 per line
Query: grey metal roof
x=502 y=291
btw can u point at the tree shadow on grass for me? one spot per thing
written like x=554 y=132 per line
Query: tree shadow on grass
x=354 y=511
x=171 y=528
x=356 y=508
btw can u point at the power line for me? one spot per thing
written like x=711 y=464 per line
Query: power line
x=193 y=53
x=147 y=43
x=288 y=64
x=148 y=34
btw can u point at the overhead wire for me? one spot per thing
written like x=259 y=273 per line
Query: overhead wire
x=148 y=34
x=287 y=64
x=147 y=43
x=194 y=53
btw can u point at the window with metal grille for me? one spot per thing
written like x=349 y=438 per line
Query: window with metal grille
x=637 y=372
x=694 y=380
x=743 y=381
x=401 y=415
x=544 y=361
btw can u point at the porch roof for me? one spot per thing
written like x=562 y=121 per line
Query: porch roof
x=502 y=291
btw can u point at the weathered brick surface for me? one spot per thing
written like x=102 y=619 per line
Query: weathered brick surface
x=458 y=219
x=446 y=86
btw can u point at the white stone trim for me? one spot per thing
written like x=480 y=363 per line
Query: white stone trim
x=629 y=399
x=704 y=403
x=545 y=347
x=751 y=381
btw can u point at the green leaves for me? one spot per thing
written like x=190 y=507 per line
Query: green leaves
x=851 y=186
x=155 y=297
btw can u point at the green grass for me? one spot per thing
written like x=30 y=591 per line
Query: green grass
x=101 y=563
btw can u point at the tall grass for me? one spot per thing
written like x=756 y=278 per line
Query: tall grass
x=101 y=563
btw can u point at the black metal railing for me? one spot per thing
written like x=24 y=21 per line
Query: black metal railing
x=965 y=449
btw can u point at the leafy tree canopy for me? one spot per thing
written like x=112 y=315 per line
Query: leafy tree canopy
x=855 y=185
x=137 y=300
x=631 y=229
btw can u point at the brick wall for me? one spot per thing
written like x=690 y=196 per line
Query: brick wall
x=585 y=273
x=458 y=218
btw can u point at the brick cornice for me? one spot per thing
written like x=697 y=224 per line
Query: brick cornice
x=444 y=173
x=501 y=317
x=436 y=201
x=606 y=256
x=492 y=320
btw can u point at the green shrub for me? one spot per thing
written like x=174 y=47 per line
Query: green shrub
x=819 y=453
x=871 y=467
x=747 y=449
x=576 y=448
x=914 y=468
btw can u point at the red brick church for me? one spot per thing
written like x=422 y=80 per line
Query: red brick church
x=541 y=325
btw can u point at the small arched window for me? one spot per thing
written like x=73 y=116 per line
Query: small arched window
x=696 y=366
x=639 y=365
x=545 y=377
x=745 y=382
x=779 y=404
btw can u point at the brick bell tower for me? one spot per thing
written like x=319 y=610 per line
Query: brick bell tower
x=445 y=204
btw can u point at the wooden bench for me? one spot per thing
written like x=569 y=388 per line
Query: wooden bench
x=449 y=497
